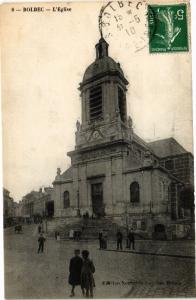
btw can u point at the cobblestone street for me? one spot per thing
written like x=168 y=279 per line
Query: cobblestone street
x=118 y=274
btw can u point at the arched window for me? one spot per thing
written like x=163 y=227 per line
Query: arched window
x=66 y=199
x=134 y=192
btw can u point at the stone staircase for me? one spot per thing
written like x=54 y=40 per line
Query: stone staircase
x=89 y=228
x=60 y=224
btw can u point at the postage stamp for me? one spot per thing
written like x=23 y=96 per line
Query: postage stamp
x=167 y=25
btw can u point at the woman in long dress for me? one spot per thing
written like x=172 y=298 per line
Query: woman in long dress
x=87 y=279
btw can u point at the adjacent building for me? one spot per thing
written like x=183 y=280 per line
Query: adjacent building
x=9 y=208
x=38 y=203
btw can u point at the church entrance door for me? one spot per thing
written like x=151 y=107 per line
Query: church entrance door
x=97 y=199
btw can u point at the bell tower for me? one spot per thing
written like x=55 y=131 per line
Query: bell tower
x=103 y=100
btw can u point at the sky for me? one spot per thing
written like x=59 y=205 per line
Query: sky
x=44 y=57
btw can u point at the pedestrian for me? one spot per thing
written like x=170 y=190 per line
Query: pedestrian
x=58 y=236
x=71 y=234
x=76 y=235
x=119 y=238
x=75 y=267
x=104 y=241
x=41 y=241
x=87 y=279
x=131 y=239
x=86 y=218
x=39 y=229
x=100 y=240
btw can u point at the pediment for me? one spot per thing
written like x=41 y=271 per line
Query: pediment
x=95 y=135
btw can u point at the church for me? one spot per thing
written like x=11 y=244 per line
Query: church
x=115 y=174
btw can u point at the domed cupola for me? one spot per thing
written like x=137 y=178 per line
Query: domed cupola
x=103 y=65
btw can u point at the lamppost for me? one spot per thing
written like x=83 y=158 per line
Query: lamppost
x=126 y=220
x=78 y=204
x=45 y=218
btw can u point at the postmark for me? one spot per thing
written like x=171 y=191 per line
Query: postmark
x=125 y=21
x=168 y=28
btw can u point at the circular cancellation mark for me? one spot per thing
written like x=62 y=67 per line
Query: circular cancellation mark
x=126 y=22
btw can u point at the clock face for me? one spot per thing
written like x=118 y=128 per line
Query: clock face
x=125 y=24
x=96 y=135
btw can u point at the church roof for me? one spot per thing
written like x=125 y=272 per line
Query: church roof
x=67 y=174
x=140 y=141
x=102 y=65
x=166 y=147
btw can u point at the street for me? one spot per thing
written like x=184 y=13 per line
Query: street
x=118 y=274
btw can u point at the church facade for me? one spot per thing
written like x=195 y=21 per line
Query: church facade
x=114 y=173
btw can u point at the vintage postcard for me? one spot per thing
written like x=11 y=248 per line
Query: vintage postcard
x=98 y=182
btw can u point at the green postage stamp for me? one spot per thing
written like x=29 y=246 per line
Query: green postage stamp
x=167 y=28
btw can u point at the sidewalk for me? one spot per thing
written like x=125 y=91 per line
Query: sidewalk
x=184 y=248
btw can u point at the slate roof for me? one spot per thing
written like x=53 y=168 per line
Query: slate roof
x=166 y=147
x=100 y=66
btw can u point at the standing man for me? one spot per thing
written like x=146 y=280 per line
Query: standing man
x=100 y=240
x=119 y=238
x=104 y=241
x=131 y=239
x=41 y=241
x=75 y=267
x=39 y=229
